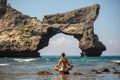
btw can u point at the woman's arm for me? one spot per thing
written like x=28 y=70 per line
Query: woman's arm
x=69 y=64
x=58 y=63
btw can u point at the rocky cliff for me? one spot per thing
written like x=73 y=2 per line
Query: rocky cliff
x=23 y=36
x=19 y=34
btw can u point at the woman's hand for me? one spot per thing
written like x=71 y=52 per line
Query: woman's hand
x=71 y=65
x=54 y=66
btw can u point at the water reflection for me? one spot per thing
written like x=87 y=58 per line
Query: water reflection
x=62 y=77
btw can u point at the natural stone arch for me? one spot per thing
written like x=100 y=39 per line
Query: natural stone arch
x=44 y=41
x=78 y=23
x=23 y=36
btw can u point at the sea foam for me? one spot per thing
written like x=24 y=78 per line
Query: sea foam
x=4 y=64
x=24 y=60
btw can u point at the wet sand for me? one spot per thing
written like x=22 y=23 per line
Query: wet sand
x=20 y=76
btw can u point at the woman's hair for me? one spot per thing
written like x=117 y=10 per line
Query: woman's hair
x=63 y=54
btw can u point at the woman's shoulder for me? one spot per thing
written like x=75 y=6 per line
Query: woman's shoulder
x=60 y=59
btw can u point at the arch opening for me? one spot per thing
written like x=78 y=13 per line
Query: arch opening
x=61 y=43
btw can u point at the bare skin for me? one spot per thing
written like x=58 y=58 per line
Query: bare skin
x=63 y=62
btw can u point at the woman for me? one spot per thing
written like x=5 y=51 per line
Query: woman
x=65 y=66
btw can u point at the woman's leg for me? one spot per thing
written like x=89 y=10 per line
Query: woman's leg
x=56 y=68
x=70 y=67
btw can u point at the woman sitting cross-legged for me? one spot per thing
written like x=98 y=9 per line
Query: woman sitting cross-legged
x=65 y=66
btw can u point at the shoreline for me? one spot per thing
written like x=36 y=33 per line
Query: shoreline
x=91 y=68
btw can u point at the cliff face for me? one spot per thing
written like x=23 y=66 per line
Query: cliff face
x=23 y=36
x=19 y=34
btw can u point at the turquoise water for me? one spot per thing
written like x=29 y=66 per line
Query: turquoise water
x=26 y=68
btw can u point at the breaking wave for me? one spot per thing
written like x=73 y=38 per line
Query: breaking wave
x=4 y=64
x=25 y=60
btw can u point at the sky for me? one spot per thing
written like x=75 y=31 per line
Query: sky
x=106 y=26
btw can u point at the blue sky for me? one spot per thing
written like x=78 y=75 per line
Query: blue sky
x=106 y=26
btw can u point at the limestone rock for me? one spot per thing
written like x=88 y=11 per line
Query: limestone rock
x=78 y=23
x=44 y=72
x=104 y=70
x=77 y=73
x=21 y=35
x=96 y=72
x=114 y=71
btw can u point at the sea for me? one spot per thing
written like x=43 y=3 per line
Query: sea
x=27 y=68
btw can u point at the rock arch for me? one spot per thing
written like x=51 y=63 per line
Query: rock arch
x=78 y=23
x=23 y=36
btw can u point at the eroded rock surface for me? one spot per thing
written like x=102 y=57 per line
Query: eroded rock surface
x=19 y=34
x=23 y=36
x=44 y=72
x=78 y=23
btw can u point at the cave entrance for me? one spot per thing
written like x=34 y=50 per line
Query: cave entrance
x=62 y=43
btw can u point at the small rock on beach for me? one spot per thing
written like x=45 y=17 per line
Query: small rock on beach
x=44 y=72
x=77 y=73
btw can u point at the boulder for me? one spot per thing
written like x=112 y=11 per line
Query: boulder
x=77 y=73
x=104 y=70
x=114 y=71
x=44 y=72
x=96 y=72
